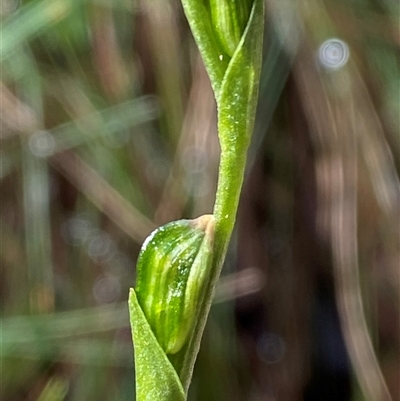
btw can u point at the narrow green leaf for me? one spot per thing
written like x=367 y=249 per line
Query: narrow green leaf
x=156 y=378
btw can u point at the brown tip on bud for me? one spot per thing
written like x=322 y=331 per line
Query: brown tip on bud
x=205 y=223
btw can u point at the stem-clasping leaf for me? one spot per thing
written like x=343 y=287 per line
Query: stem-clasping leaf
x=156 y=378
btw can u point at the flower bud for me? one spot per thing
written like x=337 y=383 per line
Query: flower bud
x=171 y=271
x=229 y=19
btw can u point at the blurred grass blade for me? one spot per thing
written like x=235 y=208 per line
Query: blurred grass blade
x=30 y=20
x=103 y=195
x=55 y=390
x=30 y=329
x=80 y=351
x=274 y=75
x=36 y=198
x=104 y=123
x=37 y=233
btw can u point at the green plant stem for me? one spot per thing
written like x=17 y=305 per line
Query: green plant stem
x=225 y=209
x=227 y=200
x=236 y=103
x=234 y=78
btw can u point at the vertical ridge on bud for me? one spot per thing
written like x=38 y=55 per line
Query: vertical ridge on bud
x=230 y=18
x=171 y=270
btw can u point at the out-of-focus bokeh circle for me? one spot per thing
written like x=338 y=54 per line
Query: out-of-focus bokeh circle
x=333 y=54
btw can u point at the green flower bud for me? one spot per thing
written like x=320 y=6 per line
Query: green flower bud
x=230 y=18
x=171 y=271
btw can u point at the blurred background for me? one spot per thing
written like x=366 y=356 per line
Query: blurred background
x=108 y=130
